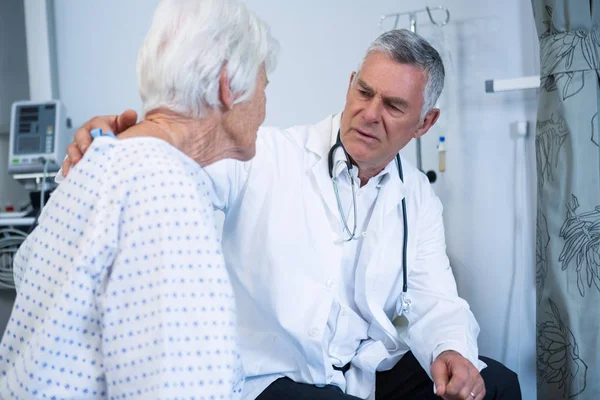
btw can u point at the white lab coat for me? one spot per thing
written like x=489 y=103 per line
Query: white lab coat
x=281 y=243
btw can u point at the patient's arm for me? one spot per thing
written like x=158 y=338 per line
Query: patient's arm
x=83 y=137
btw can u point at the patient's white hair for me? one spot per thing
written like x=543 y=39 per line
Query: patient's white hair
x=189 y=42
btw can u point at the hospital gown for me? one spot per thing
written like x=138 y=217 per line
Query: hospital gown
x=122 y=288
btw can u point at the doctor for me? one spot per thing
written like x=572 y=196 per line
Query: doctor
x=316 y=229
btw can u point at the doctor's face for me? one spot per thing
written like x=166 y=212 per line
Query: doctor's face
x=383 y=109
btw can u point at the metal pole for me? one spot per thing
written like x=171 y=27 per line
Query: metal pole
x=413 y=29
x=413 y=22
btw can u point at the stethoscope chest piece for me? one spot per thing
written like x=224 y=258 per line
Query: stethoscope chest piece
x=404 y=304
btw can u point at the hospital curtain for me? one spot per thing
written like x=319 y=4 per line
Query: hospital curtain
x=568 y=216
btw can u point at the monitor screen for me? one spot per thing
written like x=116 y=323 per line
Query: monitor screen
x=31 y=144
x=34 y=128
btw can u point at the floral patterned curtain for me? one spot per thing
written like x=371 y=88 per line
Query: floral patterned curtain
x=568 y=218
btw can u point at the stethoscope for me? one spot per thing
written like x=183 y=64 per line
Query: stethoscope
x=405 y=303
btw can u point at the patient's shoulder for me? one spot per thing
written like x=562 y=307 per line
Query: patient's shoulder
x=111 y=166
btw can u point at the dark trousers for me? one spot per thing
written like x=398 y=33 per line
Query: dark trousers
x=406 y=381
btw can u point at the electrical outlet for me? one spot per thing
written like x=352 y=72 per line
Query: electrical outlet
x=519 y=129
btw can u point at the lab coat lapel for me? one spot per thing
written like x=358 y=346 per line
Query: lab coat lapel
x=319 y=197
x=319 y=144
x=387 y=223
x=317 y=204
x=382 y=228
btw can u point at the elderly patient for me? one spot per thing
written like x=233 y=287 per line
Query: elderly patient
x=122 y=289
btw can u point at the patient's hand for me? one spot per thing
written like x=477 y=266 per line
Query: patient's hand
x=83 y=138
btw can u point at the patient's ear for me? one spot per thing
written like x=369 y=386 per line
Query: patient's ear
x=225 y=95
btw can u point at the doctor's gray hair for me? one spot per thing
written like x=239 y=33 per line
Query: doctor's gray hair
x=188 y=44
x=409 y=48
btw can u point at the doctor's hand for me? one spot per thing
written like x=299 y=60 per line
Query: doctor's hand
x=83 y=138
x=455 y=378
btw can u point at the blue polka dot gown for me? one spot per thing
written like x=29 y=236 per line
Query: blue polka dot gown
x=122 y=288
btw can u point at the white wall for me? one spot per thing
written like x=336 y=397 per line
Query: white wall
x=97 y=45
x=322 y=42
